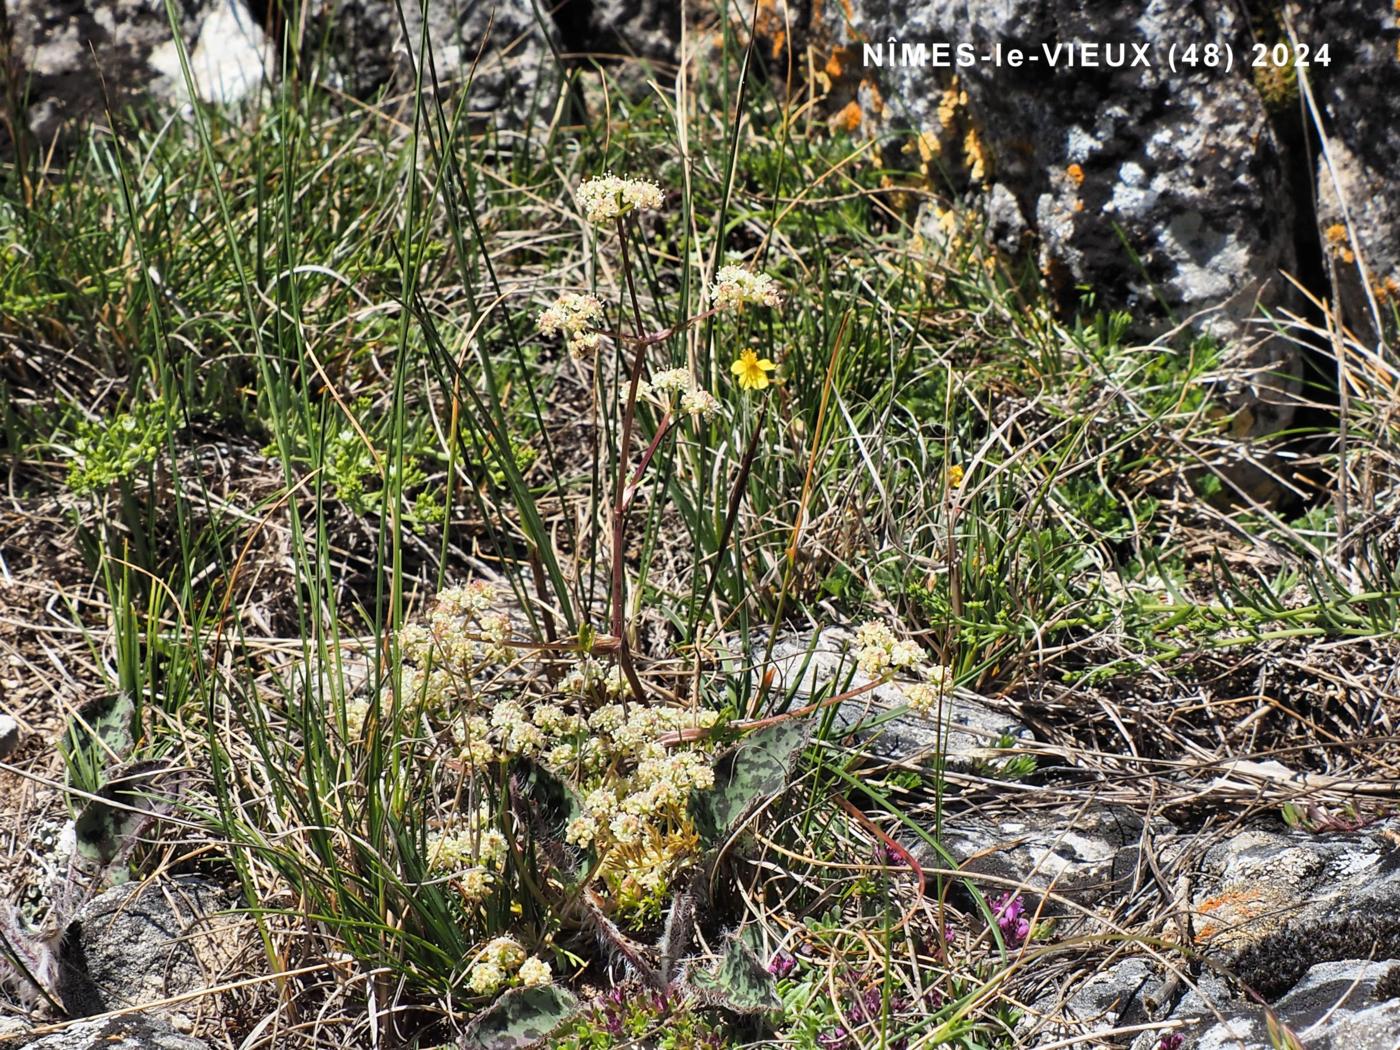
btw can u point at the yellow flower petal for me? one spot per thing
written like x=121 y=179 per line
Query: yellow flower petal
x=752 y=371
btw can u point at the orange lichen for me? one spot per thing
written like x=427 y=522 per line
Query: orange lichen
x=877 y=100
x=1076 y=174
x=978 y=158
x=1337 y=242
x=1245 y=903
x=835 y=63
x=850 y=116
x=929 y=145
x=953 y=97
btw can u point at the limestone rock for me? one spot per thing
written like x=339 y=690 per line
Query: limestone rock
x=1101 y=1003
x=1270 y=905
x=133 y=1032
x=141 y=943
x=505 y=48
x=9 y=736
x=1358 y=176
x=649 y=29
x=1085 y=857
x=1342 y=1005
x=1165 y=192
x=71 y=51
x=970 y=730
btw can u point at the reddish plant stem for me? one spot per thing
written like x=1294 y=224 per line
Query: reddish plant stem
x=629 y=416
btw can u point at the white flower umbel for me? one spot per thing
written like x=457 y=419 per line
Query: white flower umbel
x=736 y=287
x=534 y=971
x=607 y=198
x=575 y=316
x=879 y=653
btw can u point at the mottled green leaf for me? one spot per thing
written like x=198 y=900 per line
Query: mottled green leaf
x=99 y=735
x=109 y=826
x=739 y=982
x=553 y=803
x=521 y=1018
x=747 y=776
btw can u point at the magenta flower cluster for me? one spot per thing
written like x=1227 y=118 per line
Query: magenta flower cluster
x=1010 y=913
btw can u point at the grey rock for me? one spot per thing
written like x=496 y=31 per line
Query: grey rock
x=9 y=736
x=1341 y=1005
x=134 y=1032
x=504 y=48
x=1082 y=857
x=1099 y=1004
x=1155 y=188
x=1270 y=905
x=72 y=51
x=142 y=943
x=966 y=737
x=1358 y=176
x=649 y=29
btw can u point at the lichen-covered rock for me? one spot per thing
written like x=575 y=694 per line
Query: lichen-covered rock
x=1100 y=1004
x=141 y=943
x=1342 y=1005
x=70 y=52
x=649 y=29
x=9 y=736
x=1270 y=905
x=1358 y=175
x=963 y=734
x=132 y=1032
x=1083 y=857
x=502 y=53
x=1165 y=192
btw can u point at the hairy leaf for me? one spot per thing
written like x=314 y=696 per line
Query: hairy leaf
x=521 y=1018
x=747 y=776
x=551 y=804
x=739 y=983
x=28 y=960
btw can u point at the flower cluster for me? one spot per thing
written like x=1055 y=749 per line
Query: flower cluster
x=736 y=287
x=619 y=810
x=502 y=959
x=607 y=198
x=633 y=765
x=695 y=400
x=575 y=316
x=924 y=697
x=473 y=851
x=464 y=634
x=782 y=964
x=1010 y=913
x=356 y=718
x=880 y=654
x=870 y=1005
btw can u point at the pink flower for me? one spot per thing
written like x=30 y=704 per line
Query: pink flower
x=1010 y=913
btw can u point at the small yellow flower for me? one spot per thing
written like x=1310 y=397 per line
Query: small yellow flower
x=752 y=370
x=955 y=476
